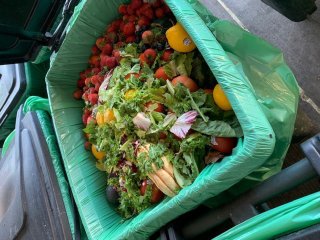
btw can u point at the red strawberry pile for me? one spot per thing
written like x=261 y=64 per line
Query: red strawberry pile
x=133 y=26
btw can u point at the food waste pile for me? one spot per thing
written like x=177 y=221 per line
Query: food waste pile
x=154 y=114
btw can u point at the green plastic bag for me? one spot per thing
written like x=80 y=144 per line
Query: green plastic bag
x=273 y=84
x=285 y=219
x=88 y=183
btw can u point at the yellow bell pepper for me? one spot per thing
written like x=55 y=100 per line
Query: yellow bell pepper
x=99 y=155
x=109 y=116
x=179 y=39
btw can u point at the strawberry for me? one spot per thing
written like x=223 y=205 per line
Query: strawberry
x=125 y=18
x=139 y=12
x=130 y=39
x=88 y=72
x=107 y=49
x=111 y=28
x=143 y=21
x=91 y=90
x=83 y=75
x=95 y=50
x=97 y=87
x=136 y=4
x=100 y=42
x=119 y=44
x=91 y=119
x=132 y=18
x=81 y=83
x=85 y=116
x=111 y=37
x=166 y=56
x=122 y=26
x=147 y=37
x=77 y=94
x=166 y=9
x=122 y=9
x=87 y=146
x=159 y=12
x=117 y=55
x=129 y=29
x=95 y=70
x=107 y=61
x=93 y=98
x=87 y=81
x=145 y=6
x=143 y=59
x=150 y=54
x=94 y=61
x=161 y=74
x=116 y=23
x=130 y=9
x=96 y=79
x=157 y=3
x=149 y=13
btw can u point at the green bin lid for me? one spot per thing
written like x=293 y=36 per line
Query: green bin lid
x=24 y=26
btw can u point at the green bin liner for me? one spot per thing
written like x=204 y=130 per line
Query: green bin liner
x=288 y=218
x=273 y=84
x=88 y=183
x=35 y=85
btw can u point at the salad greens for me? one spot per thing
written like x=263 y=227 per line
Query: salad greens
x=147 y=112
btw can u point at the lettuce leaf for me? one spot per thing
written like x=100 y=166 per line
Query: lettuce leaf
x=217 y=128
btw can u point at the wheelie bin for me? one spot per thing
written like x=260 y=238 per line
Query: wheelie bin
x=36 y=201
x=29 y=32
x=259 y=85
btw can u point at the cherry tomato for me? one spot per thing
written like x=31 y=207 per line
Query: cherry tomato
x=224 y=144
x=186 y=81
x=160 y=107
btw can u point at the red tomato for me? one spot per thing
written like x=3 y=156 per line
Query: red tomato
x=224 y=144
x=186 y=81
x=160 y=107
x=136 y=75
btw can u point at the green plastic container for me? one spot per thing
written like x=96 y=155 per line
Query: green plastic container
x=243 y=74
x=288 y=218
